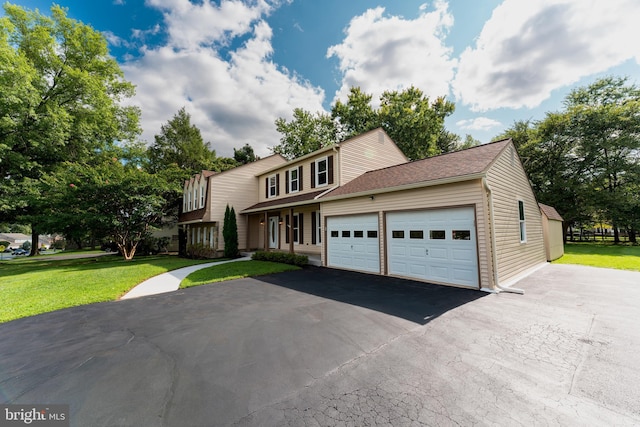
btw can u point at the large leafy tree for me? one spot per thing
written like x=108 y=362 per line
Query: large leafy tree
x=414 y=122
x=180 y=143
x=584 y=160
x=60 y=102
x=305 y=133
x=112 y=199
x=244 y=155
x=605 y=120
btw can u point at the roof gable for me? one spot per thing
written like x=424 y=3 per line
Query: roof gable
x=550 y=212
x=458 y=164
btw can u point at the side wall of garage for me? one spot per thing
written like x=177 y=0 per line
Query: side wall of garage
x=510 y=192
x=468 y=193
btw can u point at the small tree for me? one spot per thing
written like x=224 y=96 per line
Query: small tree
x=230 y=233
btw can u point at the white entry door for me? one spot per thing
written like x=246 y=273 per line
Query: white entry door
x=274 y=227
x=352 y=242
x=434 y=245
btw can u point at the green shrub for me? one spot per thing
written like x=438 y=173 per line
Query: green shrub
x=281 y=257
x=199 y=251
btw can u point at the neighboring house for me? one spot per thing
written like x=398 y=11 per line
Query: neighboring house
x=553 y=232
x=16 y=240
x=205 y=198
x=467 y=219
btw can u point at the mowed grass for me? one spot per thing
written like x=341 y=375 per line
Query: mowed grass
x=621 y=257
x=31 y=286
x=234 y=270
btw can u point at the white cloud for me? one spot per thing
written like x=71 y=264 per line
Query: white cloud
x=528 y=49
x=233 y=100
x=382 y=52
x=190 y=25
x=478 y=123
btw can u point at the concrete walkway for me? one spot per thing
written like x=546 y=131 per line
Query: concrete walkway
x=170 y=281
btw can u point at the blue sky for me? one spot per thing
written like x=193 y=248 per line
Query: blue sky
x=236 y=66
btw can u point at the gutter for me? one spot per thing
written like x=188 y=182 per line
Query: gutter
x=494 y=256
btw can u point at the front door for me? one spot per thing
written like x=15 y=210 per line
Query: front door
x=273 y=232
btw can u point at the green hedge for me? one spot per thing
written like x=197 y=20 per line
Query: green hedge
x=282 y=257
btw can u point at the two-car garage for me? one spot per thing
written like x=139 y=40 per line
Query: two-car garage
x=437 y=245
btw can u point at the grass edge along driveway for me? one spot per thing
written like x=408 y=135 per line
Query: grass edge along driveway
x=31 y=286
x=619 y=257
x=234 y=270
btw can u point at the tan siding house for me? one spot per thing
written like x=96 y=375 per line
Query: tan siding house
x=467 y=218
x=203 y=215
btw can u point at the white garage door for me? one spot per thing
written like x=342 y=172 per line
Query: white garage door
x=352 y=242
x=435 y=245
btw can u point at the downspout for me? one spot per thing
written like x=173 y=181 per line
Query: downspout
x=494 y=256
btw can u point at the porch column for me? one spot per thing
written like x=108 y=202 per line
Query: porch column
x=290 y=230
x=266 y=232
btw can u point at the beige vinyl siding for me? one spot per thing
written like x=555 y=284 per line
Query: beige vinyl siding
x=554 y=240
x=306 y=247
x=306 y=176
x=468 y=193
x=369 y=151
x=237 y=187
x=509 y=183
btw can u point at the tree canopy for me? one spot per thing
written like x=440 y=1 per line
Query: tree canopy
x=585 y=159
x=61 y=101
x=414 y=122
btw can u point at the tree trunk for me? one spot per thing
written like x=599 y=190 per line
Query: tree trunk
x=616 y=234
x=35 y=242
x=632 y=236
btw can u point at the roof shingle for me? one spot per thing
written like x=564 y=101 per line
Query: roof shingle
x=456 y=164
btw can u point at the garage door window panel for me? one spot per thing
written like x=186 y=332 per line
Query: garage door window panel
x=437 y=234
x=397 y=234
x=461 y=234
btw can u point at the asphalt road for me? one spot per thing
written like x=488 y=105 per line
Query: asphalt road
x=326 y=347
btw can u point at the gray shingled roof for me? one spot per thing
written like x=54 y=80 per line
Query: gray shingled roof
x=461 y=163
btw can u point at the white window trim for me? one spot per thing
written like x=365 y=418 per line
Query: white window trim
x=189 y=199
x=326 y=172
x=273 y=186
x=522 y=223
x=202 y=196
x=318 y=229
x=297 y=180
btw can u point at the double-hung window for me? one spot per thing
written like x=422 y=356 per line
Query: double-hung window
x=294 y=180
x=322 y=172
x=273 y=186
x=523 y=224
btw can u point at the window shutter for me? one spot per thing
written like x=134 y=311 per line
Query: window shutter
x=300 y=177
x=300 y=228
x=277 y=184
x=266 y=187
x=286 y=228
x=286 y=182
x=314 y=226
x=330 y=169
x=313 y=175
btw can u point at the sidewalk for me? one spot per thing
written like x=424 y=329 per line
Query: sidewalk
x=170 y=281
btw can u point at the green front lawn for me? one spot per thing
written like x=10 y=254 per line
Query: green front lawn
x=31 y=286
x=234 y=270
x=622 y=257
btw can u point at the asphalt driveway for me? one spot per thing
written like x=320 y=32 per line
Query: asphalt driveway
x=325 y=347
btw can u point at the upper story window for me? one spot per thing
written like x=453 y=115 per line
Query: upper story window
x=195 y=198
x=272 y=186
x=322 y=172
x=188 y=199
x=523 y=224
x=202 y=196
x=294 y=180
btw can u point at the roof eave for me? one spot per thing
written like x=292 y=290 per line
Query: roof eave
x=282 y=206
x=422 y=184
